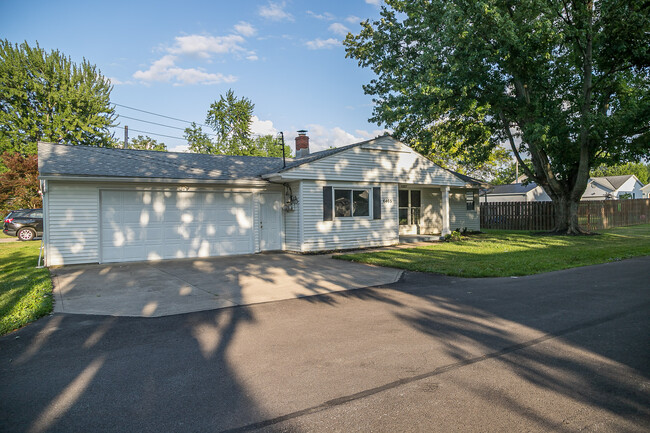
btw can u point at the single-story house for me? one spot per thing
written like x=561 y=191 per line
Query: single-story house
x=116 y=205
x=514 y=192
x=613 y=187
x=598 y=188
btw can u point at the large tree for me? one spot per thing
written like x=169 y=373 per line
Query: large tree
x=231 y=118
x=565 y=83
x=44 y=96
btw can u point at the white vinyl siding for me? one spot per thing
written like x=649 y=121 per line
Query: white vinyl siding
x=73 y=217
x=73 y=223
x=384 y=161
x=352 y=232
x=459 y=216
x=292 y=221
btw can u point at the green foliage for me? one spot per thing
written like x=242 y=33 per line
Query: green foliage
x=640 y=170
x=19 y=184
x=508 y=173
x=505 y=254
x=564 y=82
x=25 y=292
x=46 y=97
x=231 y=119
x=454 y=236
x=146 y=143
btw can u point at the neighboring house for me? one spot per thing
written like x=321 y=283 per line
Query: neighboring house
x=114 y=205
x=598 y=188
x=646 y=191
x=613 y=187
x=514 y=192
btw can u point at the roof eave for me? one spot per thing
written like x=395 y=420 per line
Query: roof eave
x=116 y=179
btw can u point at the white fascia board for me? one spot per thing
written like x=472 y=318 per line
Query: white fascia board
x=153 y=180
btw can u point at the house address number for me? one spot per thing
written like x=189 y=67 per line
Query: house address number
x=387 y=200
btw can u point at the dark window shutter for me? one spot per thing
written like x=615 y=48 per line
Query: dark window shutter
x=376 y=203
x=328 y=209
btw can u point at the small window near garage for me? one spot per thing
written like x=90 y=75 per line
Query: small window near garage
x=469 y=199
x=351 y=202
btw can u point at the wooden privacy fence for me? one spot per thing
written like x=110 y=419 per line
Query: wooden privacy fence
x=592 y=215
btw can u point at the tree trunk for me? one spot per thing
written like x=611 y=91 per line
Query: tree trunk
x=566 y=216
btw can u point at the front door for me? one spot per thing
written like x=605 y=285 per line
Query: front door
x=409 y=211
x=270 y=221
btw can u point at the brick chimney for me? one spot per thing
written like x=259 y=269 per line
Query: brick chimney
x=302 y=144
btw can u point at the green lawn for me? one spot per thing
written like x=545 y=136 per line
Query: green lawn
x=25 y=292
x=511 y=253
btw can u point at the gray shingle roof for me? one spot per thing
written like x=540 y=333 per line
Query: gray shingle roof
x=512 y=188
x=61 y=160
x=612 y=182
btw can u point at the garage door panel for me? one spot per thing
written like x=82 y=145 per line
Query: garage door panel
x=153 y=225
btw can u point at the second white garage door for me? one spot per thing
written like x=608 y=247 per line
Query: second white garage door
x=153 y=225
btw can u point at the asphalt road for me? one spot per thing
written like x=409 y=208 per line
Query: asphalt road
x=564 y=351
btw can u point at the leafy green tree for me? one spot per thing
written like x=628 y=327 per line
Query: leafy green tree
x=565 y=83
x=146 y=143
x=46 y=97
x=231 y=119
x=640 y=170
x=19 y=184
x=199 y=141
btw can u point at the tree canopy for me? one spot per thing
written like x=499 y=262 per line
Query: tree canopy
x=144 y=142
x=46 y=97
x=564 y=83
x=639 y=169
x=230 y=119
x=19 y=182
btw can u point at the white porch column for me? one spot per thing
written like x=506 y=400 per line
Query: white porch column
x=445 y=211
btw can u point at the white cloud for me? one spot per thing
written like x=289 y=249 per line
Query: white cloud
x=275 y=12
x=374 y=2
x=353 y=19
x=184 y=148
x=263 y=127
x=245 y=29
x=325 y=16
x=205 y=46
x=117 y=82
x=338 y=29
x=320 y=44
x=165 y=70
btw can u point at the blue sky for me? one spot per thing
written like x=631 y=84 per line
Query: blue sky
x=176 y=58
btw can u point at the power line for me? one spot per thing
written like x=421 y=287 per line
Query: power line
x=159 y=115
x=153 y=123
x=154 y=133
x=169 y=126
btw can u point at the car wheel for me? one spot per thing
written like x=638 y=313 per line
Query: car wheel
x=26 y=234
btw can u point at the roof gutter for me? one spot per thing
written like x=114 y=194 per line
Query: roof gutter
x=252 y=182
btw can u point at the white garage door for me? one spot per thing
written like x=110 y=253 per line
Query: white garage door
x=153 y=225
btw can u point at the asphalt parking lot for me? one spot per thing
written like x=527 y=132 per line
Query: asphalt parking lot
x=564 y=351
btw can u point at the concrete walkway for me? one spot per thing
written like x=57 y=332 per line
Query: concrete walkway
x=150 y=289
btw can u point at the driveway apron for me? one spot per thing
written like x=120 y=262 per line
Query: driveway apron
x=150 y=289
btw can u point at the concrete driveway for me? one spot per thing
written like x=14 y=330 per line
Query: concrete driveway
x=149 y=289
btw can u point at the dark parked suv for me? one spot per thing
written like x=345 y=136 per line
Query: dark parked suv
x=24 y=223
